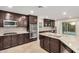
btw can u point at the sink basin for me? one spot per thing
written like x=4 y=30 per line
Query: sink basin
x=11 y=33
x=55 y=35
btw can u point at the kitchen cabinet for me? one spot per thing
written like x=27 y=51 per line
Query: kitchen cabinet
x=54 y=45
x=1 y=18
x=9 y=41
x=1 y=43
x=20 y=18
x=6 y=42
x=32 y=19
x=14 y=40
x=26 y=38
x=20 y=39
x=41 y=41
x=49 y=23
x=65 y=49
x=46 y=44
x=50 y=45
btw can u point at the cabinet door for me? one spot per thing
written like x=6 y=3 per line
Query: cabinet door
x=26 y=38
x=41 y=41
x=65 y=49
x=54 y=45
x=20 y=39
x=46 y=44
x=1 y=18
x=14 y=40
x=1 y=43
x=21 y=20
x=7 y=42
x=33 y=19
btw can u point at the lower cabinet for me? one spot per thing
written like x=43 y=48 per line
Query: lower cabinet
x=65 y=49
x=41 y=42
x=50 y=45
x=6 y=42
x=20 y=39
x=54 y=45
x=26 y=38
x=1 y=43
x=46 y=44
x=14 y=40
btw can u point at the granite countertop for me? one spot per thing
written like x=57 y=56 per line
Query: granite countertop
x=14 y=33
x=71 y=41
x=15 y=30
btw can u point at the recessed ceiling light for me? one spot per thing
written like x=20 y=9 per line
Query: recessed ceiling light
x=10 y=6
x=64 y=13
x=32 y=12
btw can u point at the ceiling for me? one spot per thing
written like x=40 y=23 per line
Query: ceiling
x=52 y=12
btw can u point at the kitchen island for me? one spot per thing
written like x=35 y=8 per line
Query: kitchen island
x=53 y=42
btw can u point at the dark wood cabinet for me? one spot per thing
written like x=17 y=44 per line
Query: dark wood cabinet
x=65 y=49
x=14 y=40
x=1 y=18
x=20 y=18
x=54 y=45
x=32 y=19
x=1 y=43
x=46 y=44
x=6 y=42
x=20 y=39
x=50 y=45
x=49 y=23
x=41 y=42
x=26 y=38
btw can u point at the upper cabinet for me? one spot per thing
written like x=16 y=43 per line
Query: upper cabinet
x=32 y=19
x=49 y=23
x=20 y=18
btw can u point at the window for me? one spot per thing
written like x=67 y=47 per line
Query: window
x=69 y=28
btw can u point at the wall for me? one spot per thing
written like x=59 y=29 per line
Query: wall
x=58 y=24
x=9 y=30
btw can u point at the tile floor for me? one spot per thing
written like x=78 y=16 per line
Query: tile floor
x=32 y=47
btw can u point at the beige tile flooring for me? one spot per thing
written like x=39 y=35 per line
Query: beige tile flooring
x=32 y=47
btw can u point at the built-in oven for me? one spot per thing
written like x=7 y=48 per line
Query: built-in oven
x=9 y=23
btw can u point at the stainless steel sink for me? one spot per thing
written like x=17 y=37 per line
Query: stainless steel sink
x=57 y=36
x=10 y=33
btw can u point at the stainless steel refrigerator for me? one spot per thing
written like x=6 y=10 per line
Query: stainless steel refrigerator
x=33 y=31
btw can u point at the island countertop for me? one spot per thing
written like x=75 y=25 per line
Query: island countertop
x=69 y=40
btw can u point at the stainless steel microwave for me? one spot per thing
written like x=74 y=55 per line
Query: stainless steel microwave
x=9 y=23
